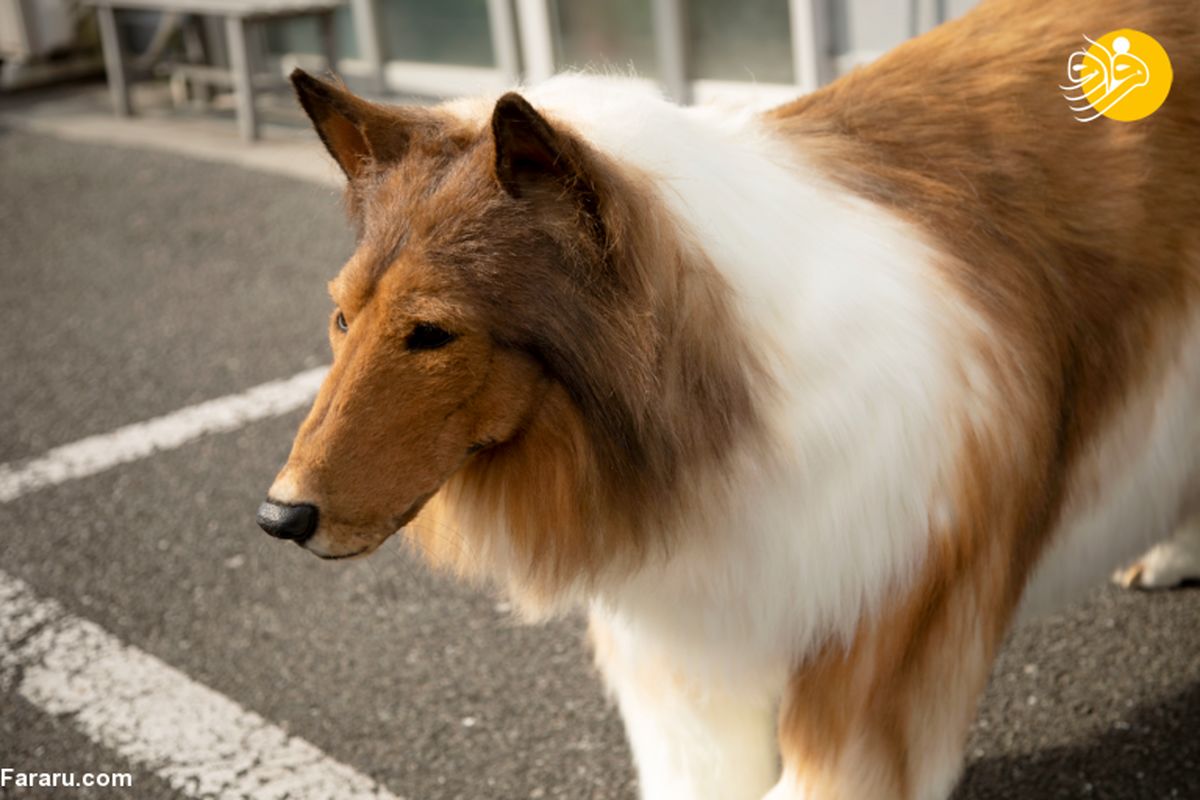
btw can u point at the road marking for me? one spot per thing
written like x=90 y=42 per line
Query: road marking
x=98 y=453
x=200 y=742
x=213 y=141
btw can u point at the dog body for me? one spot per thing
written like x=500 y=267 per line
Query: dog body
x=803 y=406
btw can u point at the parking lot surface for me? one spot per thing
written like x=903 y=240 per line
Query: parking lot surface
x=138 y=283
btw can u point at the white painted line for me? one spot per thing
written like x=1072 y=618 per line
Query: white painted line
x=98 y=453
x=215 y=141
x=200 y=742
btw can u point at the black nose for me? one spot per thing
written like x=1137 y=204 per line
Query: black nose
x=294 y=522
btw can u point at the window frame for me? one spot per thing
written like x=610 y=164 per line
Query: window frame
x=523 y=42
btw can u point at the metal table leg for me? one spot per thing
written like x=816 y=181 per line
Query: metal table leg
x=370 y=46
x=114 y=61
x=241 y=66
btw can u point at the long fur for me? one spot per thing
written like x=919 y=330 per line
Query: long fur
x=804 y=406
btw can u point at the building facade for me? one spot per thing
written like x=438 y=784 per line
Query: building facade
x=696 y=50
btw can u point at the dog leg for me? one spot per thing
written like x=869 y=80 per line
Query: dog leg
x=1168 y=564
x=885 y=716
x=689 y=741
x=884 y=733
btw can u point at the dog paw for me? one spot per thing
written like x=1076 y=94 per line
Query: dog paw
x=1167 y=566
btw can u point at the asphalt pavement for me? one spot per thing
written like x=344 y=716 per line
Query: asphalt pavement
x=134 y=283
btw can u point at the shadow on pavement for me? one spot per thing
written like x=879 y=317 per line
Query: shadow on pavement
x=1156 y=757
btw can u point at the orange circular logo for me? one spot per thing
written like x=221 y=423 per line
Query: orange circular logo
x=1124 y=75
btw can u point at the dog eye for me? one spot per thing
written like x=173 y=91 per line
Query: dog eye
x=428 y=337
x=342 y=325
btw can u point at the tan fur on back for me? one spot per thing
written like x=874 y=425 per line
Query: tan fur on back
x=1079 y=244
x=603 y=395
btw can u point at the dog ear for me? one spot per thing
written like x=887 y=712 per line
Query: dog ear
x=358 y=134
x=532 y=155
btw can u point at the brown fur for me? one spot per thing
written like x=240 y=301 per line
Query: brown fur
x=599 y=373
x=597 y=365
x=1079 y=245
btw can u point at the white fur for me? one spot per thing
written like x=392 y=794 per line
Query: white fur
x=1138 y=482
x=872 y=375
x=840 y=296
x=1169 y=563
x=857 y=330
x=688 y=740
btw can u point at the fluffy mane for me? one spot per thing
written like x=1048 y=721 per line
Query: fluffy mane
x=652 y=384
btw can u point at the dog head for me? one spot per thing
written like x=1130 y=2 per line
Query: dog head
x=477 y=286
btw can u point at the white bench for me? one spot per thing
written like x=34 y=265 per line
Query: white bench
x=239 y=15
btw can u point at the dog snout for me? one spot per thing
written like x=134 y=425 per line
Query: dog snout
x=295 y=522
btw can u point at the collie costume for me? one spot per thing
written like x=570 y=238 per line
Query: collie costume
x=804 y=406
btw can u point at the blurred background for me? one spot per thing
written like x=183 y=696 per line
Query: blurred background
x=694 y=49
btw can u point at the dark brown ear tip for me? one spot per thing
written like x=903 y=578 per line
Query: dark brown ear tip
x=512 y=101
x=307 y=84
x=299 y=78
x=513 y=113
x=316 y=96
